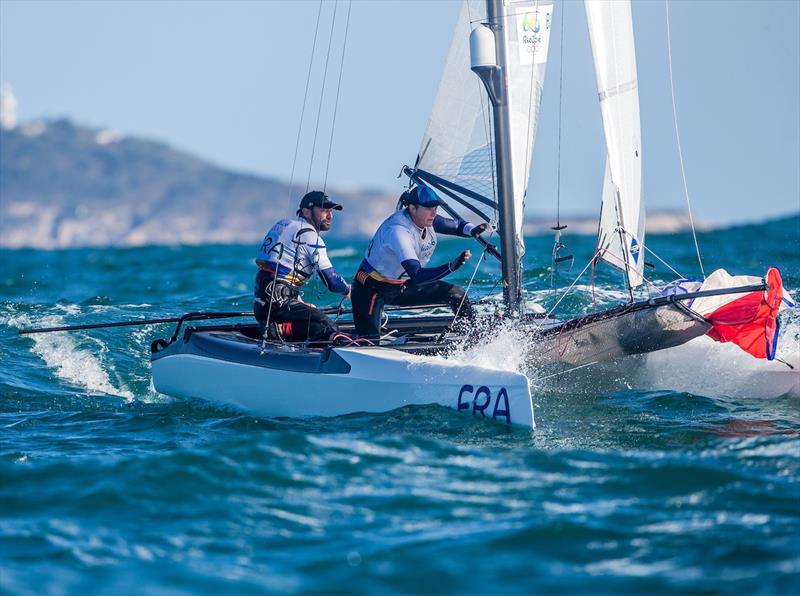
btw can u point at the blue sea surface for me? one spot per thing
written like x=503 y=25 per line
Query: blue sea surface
x=107 y=486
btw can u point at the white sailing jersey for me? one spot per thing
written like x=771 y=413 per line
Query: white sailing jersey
x=398 y=239
x=293 y=250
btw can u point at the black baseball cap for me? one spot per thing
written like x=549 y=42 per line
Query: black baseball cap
x=317 y=198
x=421 y=195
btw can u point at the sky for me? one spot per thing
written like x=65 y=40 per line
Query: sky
x=225 y=81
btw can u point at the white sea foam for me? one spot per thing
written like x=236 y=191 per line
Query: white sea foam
x=584 y=289
x=601 y=294
x=347 y=251
x=139 y=348
x=628 y=567
x=61 y=353
x=504 y=347
x=70 y=309
x=705 y=367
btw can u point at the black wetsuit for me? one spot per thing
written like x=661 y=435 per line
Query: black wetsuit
x=393 y=272
x=298 y=321
x=370 y=296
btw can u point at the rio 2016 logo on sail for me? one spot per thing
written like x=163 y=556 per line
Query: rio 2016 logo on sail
x=532 y=29
x=479 y=400
x=530 y=22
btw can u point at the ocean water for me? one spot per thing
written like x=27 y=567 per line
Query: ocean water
x=674 y=474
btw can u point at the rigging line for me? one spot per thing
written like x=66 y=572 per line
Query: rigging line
x=625 y=173
x=271 y=300
x=560 y=105
x=670 y=267
x=652 y=252
x=621 y=229
x=493 y=164
x=338 y=88
x=558 y=161
x=503 y=20
x=497 y=281
x=530 y=98
x=269 y=310
x=321 y=95
x=487 y=129
x=563 y=372
x=502 y=23
x=275 y=285
x=464 y=297
x=678 y=138
x=610 y=255
x=564 y=295
x=317 y=292
x=339 y=308
x=490 y=292
x=305 y=97
x=297 y=246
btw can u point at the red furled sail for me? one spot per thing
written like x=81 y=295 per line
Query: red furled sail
x=748 y=320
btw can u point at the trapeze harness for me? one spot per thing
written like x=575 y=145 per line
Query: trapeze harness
x=291 y=252
x=393 y=271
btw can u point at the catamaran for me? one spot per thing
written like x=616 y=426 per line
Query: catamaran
x=476 y=154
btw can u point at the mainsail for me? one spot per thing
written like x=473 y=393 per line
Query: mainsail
x=458 y=143
x=620 y=240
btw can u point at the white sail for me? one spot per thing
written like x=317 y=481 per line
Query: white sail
x=620 y=240
x=527 y=38
x=458 y=144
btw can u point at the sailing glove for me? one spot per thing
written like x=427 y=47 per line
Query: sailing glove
x=478 y=230
x=459 y=261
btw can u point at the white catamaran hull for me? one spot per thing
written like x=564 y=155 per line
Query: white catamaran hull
x=335 y=382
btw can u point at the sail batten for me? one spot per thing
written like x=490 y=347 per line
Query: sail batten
x=620 y=239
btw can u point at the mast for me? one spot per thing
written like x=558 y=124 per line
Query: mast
x=488 y=49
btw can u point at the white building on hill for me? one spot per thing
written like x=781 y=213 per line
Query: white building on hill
x=8 y=108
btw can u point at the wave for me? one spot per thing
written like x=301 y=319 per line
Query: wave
x=705 y=367
x=70 y=361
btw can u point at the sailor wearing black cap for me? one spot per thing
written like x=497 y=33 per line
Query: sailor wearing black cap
x=291 y=252
x=394 y=268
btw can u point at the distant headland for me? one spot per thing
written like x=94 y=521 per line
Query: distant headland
x=65 y=185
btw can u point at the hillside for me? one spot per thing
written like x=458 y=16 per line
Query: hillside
x=64 y=185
